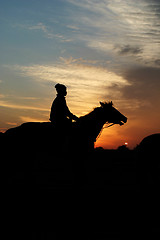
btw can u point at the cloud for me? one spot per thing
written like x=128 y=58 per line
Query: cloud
x=46 y=30
x=73 y=27
x=157 y=62
x=144 y=86
x=15 y=101
x=73 y=71
x=87 y=82
x=11 y=123
x=38 y=26
x=134 y=26
x=31 y=119
x=9 y=104
x=72 y=60
x=129 y=50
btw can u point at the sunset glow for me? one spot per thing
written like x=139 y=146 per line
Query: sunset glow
x=101 y=50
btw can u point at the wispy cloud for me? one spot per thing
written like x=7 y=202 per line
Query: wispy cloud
x=73 y=27
x=16 y=97
x=132 y=25
x=11 y=123
x=9 y=104
x=38 y=26
x=128 y=50
x=31 y=119
x=88 y=83
x=47 y=30
x=72 y=71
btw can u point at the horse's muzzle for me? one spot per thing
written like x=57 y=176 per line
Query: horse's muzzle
x=123 y=121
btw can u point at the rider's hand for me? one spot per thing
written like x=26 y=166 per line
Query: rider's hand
x=77 y=118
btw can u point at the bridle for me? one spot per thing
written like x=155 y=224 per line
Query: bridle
x=102 y=130
x=108 y=126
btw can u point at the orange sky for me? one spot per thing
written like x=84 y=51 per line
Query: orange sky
x=101 y=50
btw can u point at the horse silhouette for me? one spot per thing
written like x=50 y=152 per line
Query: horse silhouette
x=148 y=164
x=36 y=136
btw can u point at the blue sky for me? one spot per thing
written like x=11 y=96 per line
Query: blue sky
x=102 y=50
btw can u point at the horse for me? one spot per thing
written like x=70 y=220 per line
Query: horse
x=36 y=136
x=35 y=147
x=91 y=125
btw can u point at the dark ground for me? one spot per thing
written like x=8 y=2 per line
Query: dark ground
x=79 y=196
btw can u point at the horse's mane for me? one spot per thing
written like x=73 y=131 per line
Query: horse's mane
x=97 y=110
x=91 y=114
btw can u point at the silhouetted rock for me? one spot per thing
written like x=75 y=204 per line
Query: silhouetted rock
x=148 y=163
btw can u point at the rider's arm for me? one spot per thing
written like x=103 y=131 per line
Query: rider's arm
x=70 y=115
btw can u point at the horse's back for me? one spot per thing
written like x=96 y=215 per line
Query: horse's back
x=47 y=136
x=29 y=135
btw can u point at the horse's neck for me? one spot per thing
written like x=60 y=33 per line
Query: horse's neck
x=97 y=127
x=92 y=124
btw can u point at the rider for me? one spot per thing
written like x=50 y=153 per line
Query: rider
x=60 y=113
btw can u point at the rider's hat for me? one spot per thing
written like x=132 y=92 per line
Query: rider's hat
x=60 y=87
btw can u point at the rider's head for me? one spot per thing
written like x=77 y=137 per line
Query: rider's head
x=61 y=89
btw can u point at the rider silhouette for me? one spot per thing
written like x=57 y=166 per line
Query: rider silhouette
x=60 y=113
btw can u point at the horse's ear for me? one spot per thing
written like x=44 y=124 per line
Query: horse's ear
x=102 y=104
x=110 y=103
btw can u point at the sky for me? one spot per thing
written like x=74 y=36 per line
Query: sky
x=101 y=50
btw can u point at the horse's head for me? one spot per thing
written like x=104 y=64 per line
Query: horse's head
x=111 y=114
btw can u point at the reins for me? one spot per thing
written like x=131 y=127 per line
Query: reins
x=102 y=129
x=108 y=126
